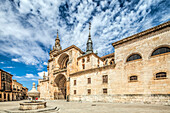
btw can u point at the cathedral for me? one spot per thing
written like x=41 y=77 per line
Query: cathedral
x=137 y=71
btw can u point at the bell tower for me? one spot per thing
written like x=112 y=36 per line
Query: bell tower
x=89 y=48
x=57 y=46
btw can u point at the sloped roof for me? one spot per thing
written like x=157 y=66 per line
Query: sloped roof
x=68 y=48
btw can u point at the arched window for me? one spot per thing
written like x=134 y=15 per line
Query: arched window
x=112 y=62
x=83 y=60
x=160 y=75
x=134 y=57
x=106 y=62
x=133 y=78
x=63 y=61
x=161 y=50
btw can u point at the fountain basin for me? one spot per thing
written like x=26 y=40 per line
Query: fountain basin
x=32 y=105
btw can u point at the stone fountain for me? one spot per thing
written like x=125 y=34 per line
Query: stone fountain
x=33 y=104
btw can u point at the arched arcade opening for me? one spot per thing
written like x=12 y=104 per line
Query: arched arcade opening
x=60 y=81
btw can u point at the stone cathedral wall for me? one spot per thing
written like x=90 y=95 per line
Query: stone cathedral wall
x=119 y=88
x=147 y=89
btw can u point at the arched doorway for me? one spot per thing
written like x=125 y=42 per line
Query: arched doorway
x=60 y=81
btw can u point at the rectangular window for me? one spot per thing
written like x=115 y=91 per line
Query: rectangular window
x=75 y=92
x=89 y=80
x=161 y=75
x=83 y=66
x=88 y=91
x=83 y=60
x=74 y=82
x=133 y=78
x=105 y=79
x=88 y=59
x=105 y=91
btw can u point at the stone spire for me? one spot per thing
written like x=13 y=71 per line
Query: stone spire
x=57 y=43
x=89 y=48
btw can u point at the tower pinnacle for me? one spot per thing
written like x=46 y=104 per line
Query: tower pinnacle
x=57 y=43
x=57 y=36
x=89 y=42
x=89 y=29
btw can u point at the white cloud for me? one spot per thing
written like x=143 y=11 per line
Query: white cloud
x=15 y=60
x=40 y=74
x=28 y=30
x=9 y=67
x=17 y=77
x=34 y=79
x=1 y=62
x=29 y=76
x=45 y=63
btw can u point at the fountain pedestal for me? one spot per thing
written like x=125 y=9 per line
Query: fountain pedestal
x=32 y=105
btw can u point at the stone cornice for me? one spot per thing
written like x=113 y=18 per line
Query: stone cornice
x=143 y=33
x=50 y=60
x=92 y=69
x=43 y=80
x=5 y=72
x=108 y=56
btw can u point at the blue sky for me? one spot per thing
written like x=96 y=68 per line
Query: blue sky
x=28 y=29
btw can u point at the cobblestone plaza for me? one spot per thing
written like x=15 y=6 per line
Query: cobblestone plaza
x=87 y=107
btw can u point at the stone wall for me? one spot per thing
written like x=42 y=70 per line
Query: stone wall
x=163 y=99
x=145 y=68
x=146 y=89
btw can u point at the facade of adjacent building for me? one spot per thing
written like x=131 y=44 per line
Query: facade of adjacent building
x=137 y=71
x=11 y=89
x=5 y=86
x=19 y=92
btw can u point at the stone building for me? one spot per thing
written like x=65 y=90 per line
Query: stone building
x=18 y=91
x=5 y=86
x=11 y=89
x=138 y=70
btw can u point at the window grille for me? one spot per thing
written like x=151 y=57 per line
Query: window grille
x=105 y=91
x=161 y=50
x=74 y=82
x=89 y=80
x=134 y=57
x=161 y=75
x=105 y=78
x=133 y=78
x=89 y=91
x=75 y=92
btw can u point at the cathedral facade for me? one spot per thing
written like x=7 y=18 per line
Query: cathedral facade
x=137 y=71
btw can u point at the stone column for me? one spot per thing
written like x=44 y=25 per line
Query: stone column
x=2 y=96
x=68 y=89
x=14 y=96
x=10 y=96
x=6 y=96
